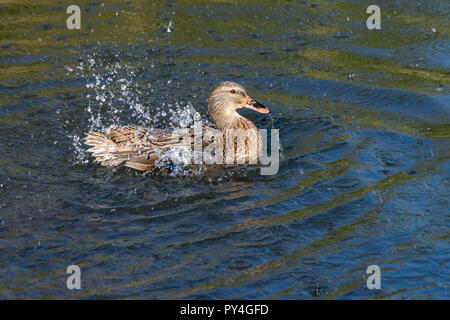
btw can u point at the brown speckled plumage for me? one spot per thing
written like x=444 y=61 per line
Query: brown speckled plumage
x=139 y=147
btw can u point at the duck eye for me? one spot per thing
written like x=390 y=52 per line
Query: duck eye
x=233 y=91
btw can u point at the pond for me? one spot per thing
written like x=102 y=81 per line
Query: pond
x=364 y=127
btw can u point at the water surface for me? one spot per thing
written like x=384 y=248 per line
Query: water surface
x=364 y=128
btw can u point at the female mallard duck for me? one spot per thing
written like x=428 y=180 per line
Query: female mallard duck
x=139 y=147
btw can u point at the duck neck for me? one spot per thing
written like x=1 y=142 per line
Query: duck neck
x=232 y=121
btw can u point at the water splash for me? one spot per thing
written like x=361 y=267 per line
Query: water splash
x=79 y=156
x=117 y=95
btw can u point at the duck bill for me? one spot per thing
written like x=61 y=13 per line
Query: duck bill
x=255 y=105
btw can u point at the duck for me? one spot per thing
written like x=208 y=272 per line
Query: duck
x=141 y=148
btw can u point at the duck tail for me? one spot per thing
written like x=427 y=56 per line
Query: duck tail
x=104 y=149
x=109 y=150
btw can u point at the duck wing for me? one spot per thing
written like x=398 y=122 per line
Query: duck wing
x=137 y=147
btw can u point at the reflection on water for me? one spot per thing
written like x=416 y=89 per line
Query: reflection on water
x=364 y=127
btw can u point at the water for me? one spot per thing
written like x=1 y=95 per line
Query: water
x=364 y=173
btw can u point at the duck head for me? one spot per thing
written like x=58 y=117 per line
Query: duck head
x=225 y=99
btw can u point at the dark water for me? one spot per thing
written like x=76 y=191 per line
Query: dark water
x=364 y=127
